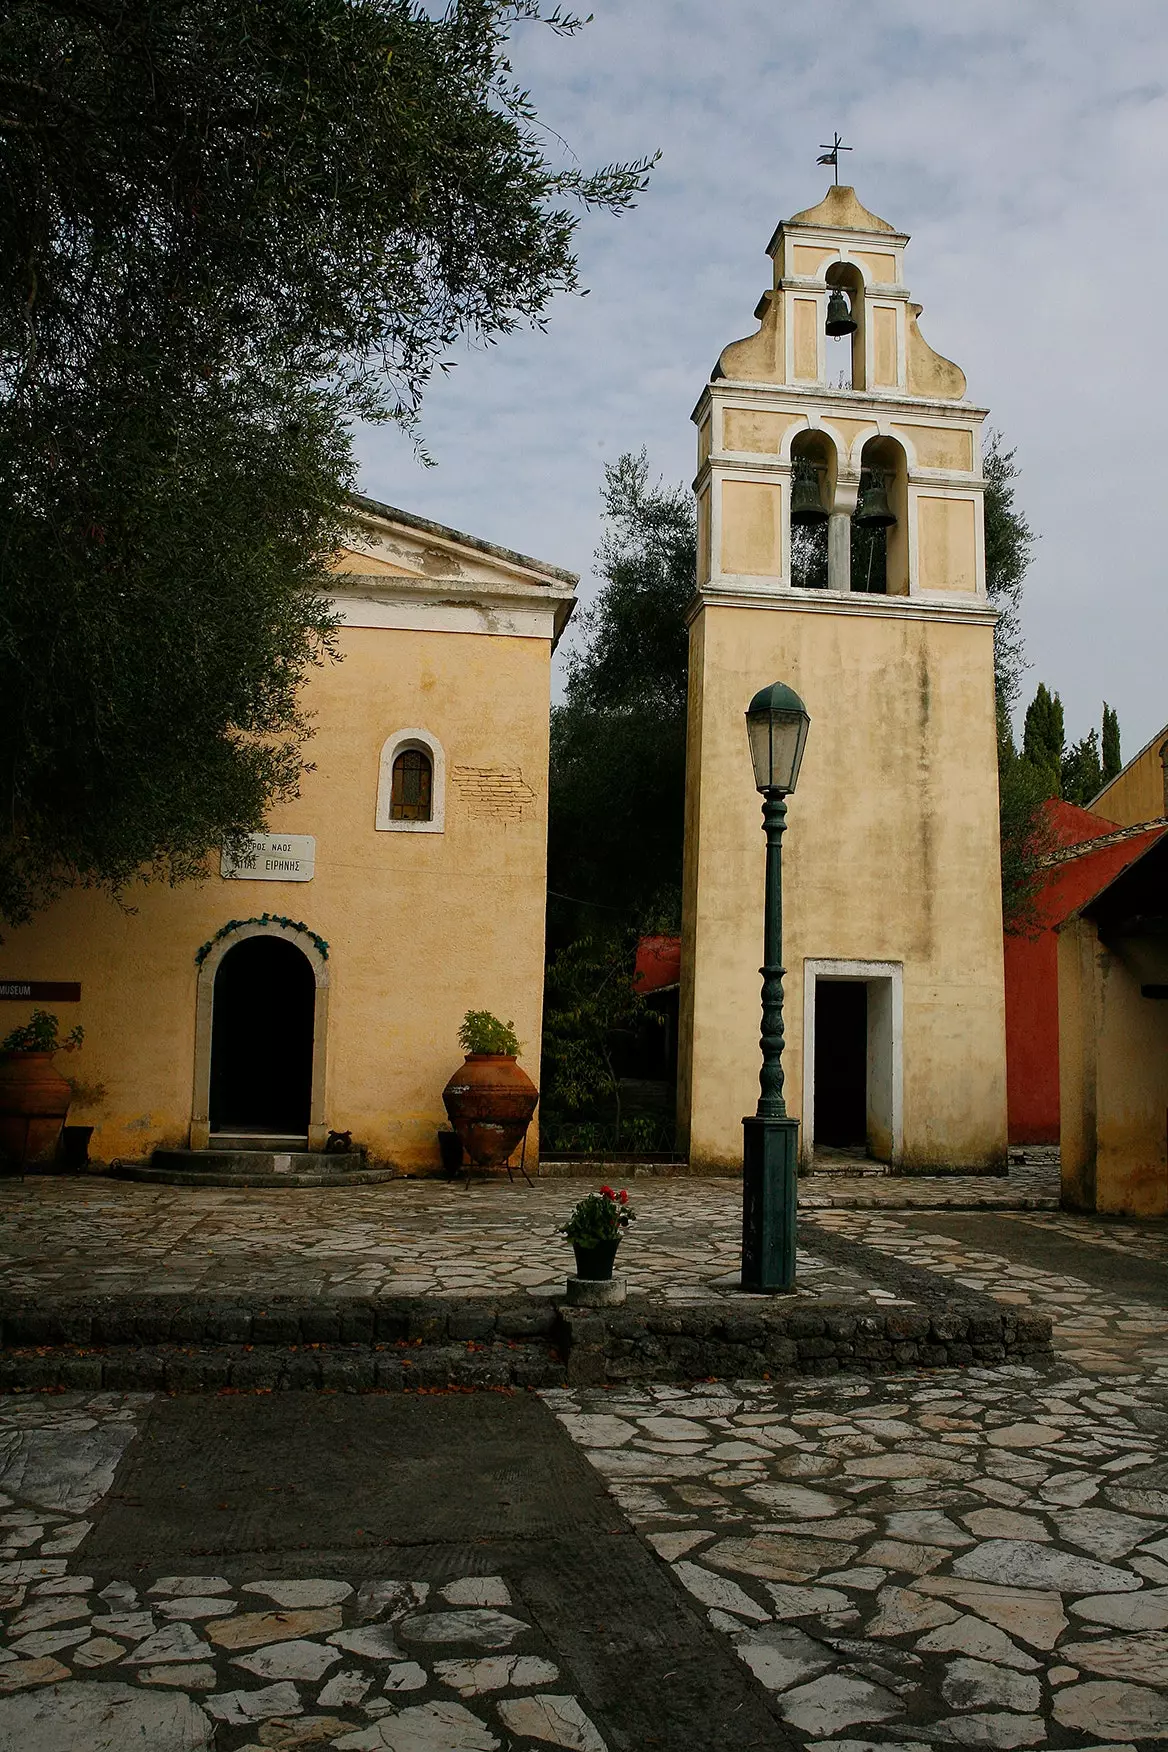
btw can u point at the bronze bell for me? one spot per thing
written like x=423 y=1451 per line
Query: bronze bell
x=840 y=320
x=873 y=510
x=806 y=498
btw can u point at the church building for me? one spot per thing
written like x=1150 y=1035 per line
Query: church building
x=840 y=550
x=318 y=983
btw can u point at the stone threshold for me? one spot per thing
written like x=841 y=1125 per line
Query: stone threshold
x=813 y=1197
x=179 y=1344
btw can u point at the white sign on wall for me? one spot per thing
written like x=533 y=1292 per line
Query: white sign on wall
x=273 y=857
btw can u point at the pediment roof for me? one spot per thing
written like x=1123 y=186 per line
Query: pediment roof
x=388 y=542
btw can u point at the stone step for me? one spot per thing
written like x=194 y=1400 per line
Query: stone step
x=189 y=1343
x=845 y=1170
x=254 y=1167
x=821 y=1198
x=352 y=1368
x=229 y=1140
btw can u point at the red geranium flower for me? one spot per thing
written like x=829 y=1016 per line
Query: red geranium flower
x=623 y=1196
x=607 y=1192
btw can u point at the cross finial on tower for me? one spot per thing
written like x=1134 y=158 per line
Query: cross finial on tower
x=831 y=153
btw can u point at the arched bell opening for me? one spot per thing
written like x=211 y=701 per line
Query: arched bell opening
x=845 y=327
x=813 y=471
x=880 y=521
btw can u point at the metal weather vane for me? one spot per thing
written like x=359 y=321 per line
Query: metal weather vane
x=831 y=153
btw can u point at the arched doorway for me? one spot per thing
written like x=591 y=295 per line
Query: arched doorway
x=262 y=1033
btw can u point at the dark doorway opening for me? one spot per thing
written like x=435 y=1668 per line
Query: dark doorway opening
x=841 y=1063
x=261 y=1039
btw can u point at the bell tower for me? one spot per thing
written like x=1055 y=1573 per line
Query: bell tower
x=841 y=550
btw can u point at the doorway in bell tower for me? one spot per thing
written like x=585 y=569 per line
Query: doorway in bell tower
x=262 y=1039
x=851 y=1059
x=841 y=1064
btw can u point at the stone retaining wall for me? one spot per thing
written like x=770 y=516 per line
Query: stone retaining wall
x=362 y=1343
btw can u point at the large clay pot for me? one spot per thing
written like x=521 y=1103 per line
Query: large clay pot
x=34 y=1099
x=490 y=1102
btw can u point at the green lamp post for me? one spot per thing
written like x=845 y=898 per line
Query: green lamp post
x=776 y=724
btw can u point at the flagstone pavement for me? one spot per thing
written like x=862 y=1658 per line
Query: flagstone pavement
x=942 y=1559
x=415 y=1237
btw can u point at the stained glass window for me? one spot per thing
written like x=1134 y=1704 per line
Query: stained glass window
x=410 y=797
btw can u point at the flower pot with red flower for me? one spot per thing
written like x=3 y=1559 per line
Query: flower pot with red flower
x=596 y=1228
x=34 y=1096
x=490 y=1100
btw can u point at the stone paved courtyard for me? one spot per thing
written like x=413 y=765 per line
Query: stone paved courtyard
x=955 y=1558
x=416 y=1237
x=979 y=1561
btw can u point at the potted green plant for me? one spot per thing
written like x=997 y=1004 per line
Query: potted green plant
x=34 y=1096
x=489 y=1100
x=596 y=1228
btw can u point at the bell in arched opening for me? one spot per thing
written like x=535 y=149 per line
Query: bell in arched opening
x=806 y=496
x=840 y=320
x=873 y=510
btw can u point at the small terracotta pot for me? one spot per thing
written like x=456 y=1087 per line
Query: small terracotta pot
x=595 y=1262
x=490 y=1102
x=34 y=1099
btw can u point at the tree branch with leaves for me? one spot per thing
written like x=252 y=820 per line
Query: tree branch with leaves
x=228 y=230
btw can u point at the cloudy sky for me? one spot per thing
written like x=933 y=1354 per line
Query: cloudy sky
x=1020 y=142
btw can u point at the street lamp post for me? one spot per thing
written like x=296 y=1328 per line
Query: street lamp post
x=776 y=724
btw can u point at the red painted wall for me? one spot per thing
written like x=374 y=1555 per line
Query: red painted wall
x=658 y=963
x=1032 y=1062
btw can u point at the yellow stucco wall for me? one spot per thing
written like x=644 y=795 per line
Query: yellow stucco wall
x=1113 y=1081
x=946 y=533
x=806 y=324
x=420 y=927
x=849 y=430
x=756 y=431
x=938 y=448
x=808 y=259
x=752 y=528
x=891 y=855
x=883 y=346
x=761 y=357
x=877 y=264
x=1140 y=791
x=704 y=536
x=927 y=372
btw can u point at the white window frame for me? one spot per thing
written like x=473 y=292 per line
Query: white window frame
x=398 y=743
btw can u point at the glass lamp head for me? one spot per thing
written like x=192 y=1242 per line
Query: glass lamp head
x=777 y=722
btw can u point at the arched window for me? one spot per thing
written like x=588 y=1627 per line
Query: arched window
x=411 y=784
x=411 y=790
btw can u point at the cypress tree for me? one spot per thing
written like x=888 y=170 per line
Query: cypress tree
x=1044 y=738
x=1112 y=759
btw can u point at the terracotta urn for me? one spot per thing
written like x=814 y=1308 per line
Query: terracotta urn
x=34 y=1100
x=490 y=1101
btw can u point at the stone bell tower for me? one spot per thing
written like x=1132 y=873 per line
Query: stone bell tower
x=840 y=550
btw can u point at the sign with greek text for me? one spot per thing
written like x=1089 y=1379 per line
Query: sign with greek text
x=273 y=857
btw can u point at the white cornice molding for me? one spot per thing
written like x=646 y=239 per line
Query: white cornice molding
x=888 y=291
x=977 y=613
x=387 y=600
x=847 y=403
x=831 y=236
